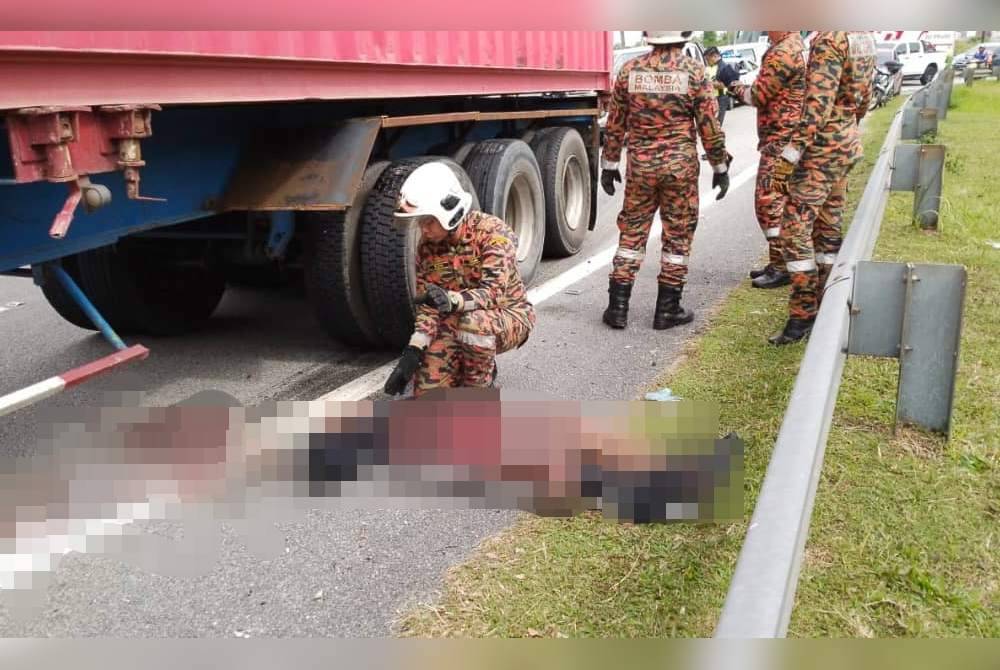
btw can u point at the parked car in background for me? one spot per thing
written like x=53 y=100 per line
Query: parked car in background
x=920 y=59
x=964 y=58
x=752 y=52
x=942 y=40
x=623 y=56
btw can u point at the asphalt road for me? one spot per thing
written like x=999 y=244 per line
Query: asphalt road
x=338 y=573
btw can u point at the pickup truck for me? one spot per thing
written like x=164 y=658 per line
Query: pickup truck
x=920 y=59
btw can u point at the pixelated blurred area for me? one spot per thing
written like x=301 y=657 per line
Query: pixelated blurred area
x=208 y=458
x=489 y=654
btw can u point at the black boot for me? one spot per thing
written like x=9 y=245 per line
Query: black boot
x=669 y=312
x=616 y=315
x=794 y=330
x=764 y=270
x=772 y=278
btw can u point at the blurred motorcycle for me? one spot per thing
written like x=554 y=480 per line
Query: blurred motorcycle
x=884 y=85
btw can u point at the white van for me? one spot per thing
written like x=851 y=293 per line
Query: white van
x=752 y=52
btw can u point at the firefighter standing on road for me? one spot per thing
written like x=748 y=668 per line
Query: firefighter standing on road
x=661 y=101
x=812 y=168
x=777 y=94
x=471 y=303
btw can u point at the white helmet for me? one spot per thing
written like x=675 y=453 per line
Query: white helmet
x=667 y=36
x=434 y=190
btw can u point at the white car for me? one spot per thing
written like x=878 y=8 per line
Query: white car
x=919 y=59
x=751 y=52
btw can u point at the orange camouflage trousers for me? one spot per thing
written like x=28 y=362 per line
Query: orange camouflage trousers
x=811 y=231
x=464 y=352
x=675 y=194
x=769 y=205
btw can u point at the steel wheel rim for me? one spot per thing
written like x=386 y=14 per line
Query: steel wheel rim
x=573 y=193
x=519 y=214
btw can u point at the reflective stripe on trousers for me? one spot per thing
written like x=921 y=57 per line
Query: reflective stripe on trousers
x=630 y=254
x=807 y=265
x=477 y=340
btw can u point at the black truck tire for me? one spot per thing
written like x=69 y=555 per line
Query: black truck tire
x=929 y=74
x=388 y=251
x=536 y=137
x=509 y=185
x=139 y=286
x=565 y=167
x=59 y=298
x=333 y=271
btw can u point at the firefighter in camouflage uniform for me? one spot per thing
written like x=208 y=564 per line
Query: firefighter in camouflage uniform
x=661 y=102
x=471 y=302
x=777 y=94
x=812 y=168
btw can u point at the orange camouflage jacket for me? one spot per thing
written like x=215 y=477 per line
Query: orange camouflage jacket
x=661 y=102
x=838 y=91
x=778 y=92
x=479 y=261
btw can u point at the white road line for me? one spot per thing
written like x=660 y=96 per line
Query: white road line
x=35 y=550
x=34 y=553
x=373 y=381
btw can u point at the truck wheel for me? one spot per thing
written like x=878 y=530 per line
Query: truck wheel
x=928 y=75
x=509 y=185
x=536 y=137
x=61 y=301
x=562 y=157
x=388 y=252
x=151 y=286
x=457 y=152
x=333 y=276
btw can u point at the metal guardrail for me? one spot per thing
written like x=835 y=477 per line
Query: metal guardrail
x=762 y=590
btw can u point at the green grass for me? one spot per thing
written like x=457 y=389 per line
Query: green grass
x=904 y=534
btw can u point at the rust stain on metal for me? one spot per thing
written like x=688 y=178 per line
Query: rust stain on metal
x=313 y=169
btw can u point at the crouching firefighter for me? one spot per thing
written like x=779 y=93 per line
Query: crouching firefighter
x=471 y=303
x=661 y=101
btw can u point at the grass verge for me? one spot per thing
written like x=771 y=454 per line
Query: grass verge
x=903 y=534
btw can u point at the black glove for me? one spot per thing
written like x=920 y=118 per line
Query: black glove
x=405 y=369
x=438 y=298
x=608 y=179
x=720 y=180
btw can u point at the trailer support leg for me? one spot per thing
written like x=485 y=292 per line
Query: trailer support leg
x=88 y=307
x=59 y=383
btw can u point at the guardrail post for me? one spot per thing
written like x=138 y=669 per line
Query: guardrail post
x=934 y=96
x=949 y=87
x=914 y=313
x=940 y=86
x=969 y=75
x=919 y=168
x=918 y=121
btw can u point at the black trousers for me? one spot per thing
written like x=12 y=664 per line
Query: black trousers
x=725 y=104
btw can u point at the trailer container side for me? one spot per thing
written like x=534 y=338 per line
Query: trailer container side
x=152 y=169
x=90 y=68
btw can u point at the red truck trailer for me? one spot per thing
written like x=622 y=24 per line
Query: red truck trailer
x=141 y=172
